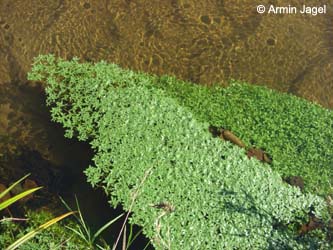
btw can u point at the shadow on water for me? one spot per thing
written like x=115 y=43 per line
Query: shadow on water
x=93 y=202
x=55 y=162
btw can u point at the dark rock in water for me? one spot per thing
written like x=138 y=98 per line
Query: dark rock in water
x=215 y=131
x=42 y=171
x=259 y=154
x=313 y=224
x=229 y=136
x=226 y=135
x=28 y=184
x=19 y=188
x=3 y=188
x=296 y=181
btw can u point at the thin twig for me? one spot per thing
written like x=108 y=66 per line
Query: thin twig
x=131 y=206
x=124 y=239
x=13 y=219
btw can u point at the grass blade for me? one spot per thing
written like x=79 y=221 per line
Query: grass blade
x=131 y=238
x=82 y=222
x=130 y=235
x=148 y=244
x=12 y=186
x=106 y=226
x=31 y=234
x=79 y=233
x=12 y=200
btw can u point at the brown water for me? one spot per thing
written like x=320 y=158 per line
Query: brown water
x=202 y=41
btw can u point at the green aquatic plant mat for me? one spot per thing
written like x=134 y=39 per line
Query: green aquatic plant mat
x=296 y=133
x=199 y=192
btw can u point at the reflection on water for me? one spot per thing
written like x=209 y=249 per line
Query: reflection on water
x=202 y=41
x=31 y=143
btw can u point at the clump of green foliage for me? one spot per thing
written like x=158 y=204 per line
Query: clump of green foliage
x=296 y=133
x=55 y=237
x=5 y=203
x=200 y=192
